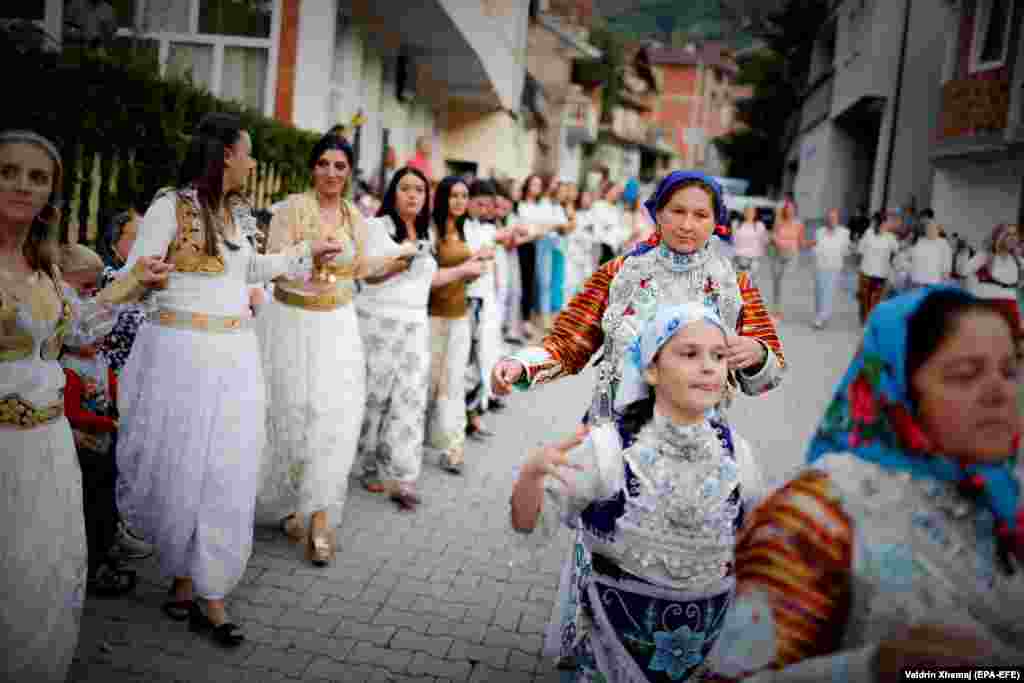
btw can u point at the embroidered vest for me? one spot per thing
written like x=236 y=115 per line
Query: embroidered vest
x=187 y=250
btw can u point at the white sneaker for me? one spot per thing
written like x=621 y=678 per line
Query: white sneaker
x=128 y=545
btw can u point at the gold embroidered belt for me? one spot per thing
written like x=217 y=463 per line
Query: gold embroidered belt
x=20 y=414
x=200 y=322
x=328 y=301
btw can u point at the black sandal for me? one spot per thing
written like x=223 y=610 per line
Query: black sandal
x=225 y=635
x=178 y=610
x=110 y=581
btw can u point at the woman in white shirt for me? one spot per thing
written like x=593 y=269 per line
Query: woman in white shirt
x=831 y=244
x=580 y=252
x=192 y=396
x=995 y=272
x=876 y=248
x=395 y=332
x=930 y=259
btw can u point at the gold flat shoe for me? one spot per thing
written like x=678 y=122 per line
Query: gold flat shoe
x=320 y=548
x=293 y=528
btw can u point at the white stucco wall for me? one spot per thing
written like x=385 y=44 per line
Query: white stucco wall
x=318 y=24
x=973 y=199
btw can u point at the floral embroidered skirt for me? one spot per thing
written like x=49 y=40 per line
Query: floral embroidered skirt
x=316 y=376
x=633 y=631
x=42 y=554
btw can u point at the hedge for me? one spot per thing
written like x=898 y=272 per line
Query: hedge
x=119 y=107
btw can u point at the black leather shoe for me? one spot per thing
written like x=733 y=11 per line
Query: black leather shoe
x=225 y=635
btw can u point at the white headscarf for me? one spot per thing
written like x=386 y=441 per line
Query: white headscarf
x=645 y=346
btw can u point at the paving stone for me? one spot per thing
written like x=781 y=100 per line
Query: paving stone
x=442 y=608
x=520 y=661
x=303 y=620
x=487 y=674
x=406 y=639
x=290 y=662
x=324 y=645
x=373 y=655
x=291 y=582
x=423 y=664
x=533 y=624
x=491 y=656
x=542 y=594
x=348 y=590
x=411 y=620
x=497 y=637
x=326 y=669
x=350 y=610
x=369 y=633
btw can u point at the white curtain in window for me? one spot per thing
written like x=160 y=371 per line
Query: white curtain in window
x=245 y=76
x=189 y=58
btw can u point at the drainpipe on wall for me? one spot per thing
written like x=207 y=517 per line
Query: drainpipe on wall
x=896 y=105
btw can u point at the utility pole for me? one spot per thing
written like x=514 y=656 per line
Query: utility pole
x=896 y=105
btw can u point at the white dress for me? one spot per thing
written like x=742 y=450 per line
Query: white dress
x=43 y=557
x=315 y=372
x=192 y=407
x=478 y=236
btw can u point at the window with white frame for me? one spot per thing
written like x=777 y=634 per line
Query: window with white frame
x=990 y=43
x=228 y=47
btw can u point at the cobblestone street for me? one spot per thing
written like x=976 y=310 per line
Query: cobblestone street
x=434 y=595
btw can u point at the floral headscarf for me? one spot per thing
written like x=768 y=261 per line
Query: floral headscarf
x=655 y=334
x=872 y=417
x=670 y=182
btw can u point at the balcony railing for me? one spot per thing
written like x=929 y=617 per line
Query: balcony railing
x=970 y=107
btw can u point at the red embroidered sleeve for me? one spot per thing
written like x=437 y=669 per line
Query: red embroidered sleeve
x=577 y=333
x=795 y=556
x=754 y=320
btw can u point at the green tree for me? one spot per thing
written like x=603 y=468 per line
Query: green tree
x=778 y=73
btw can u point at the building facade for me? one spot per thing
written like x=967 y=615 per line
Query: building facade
x=863 y=134
x=978 y=137
x=449 y=70
x=697 y=102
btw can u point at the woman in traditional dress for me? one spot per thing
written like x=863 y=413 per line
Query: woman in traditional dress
x=395 y=330
x=679 y=264
x=313 y=359
x=995 y=273
x=450 y=336
x=876 y=248
x=43 y=558
x=192 y=395
x=899 y=547
x=671 y=503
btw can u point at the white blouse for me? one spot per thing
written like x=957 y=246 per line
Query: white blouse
x=478 y=236
x=931 y=261
x=403 y=297
x=221 y=294
x=1003 y=268
x=877 y=252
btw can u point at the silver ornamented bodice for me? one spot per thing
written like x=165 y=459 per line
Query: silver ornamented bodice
x=659 y=276
x=680 y=522
x=922 y=553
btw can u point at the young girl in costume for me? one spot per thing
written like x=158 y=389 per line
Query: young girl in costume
x=667 y=508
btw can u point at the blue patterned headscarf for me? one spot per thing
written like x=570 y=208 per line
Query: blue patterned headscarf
x=873 y=417
x=670 y=182
x=667 y=321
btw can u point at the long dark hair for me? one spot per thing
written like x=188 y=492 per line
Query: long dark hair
x=388 y=208
x=442 y=199
x=526 y=186
x=204 y=169
x=325 y=144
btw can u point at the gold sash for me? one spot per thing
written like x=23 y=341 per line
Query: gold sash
x=20 y=414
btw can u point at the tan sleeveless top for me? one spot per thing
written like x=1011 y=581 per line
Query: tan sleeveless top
x=449 y=301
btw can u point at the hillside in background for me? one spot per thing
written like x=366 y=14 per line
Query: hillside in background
x=674 y=22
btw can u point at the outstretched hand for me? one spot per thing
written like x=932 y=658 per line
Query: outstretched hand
x=553 y=460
